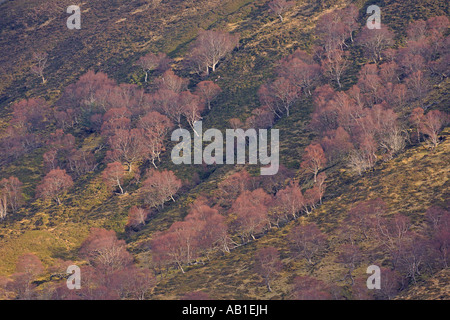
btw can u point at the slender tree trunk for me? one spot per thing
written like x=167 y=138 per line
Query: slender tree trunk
x=3 y=207
x=268 y=285
x=181 y=267
x=195 y=131
x=120 y=187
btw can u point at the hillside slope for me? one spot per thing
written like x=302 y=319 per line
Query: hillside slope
x=408 y=184
x=89 y=204
x=114 y=35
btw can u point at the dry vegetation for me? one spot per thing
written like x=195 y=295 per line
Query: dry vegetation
x=112 y=39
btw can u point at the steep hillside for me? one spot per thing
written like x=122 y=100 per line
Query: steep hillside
x=114 y=35
x=90 y=205
x=408 y=184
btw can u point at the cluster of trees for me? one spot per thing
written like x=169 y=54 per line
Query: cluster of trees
x=333 y=30
x=257 y=211
x=357 y=126
x=300 y=72
x=21 y=135
x=268 y=265
x=133 y=123
x=202 y=231
x=21 y=284
x=108 y=274
x=245 y=208
x=296 y=75
x=63 y=163
x=306 y=242
x=429 y=124
x=158 y=188
x=410 y=252
x=24 y=134
x=367 y=120
x=63 y=153
x=364 y=121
